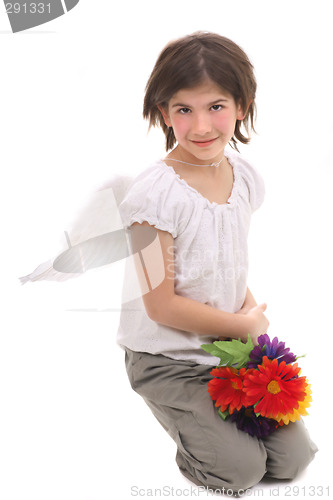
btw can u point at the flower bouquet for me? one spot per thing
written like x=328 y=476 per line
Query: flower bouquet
x=257 y=387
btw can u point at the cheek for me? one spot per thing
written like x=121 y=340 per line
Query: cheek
x=226 y=120
x=180 y=126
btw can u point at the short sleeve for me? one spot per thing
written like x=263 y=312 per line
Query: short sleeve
x=253 y=182
x=155 y=196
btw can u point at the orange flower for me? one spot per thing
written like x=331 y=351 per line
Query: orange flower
x=276 y=386
x=297 y=413
x=227 y=389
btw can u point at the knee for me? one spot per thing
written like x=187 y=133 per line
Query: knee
x=294 y=461
x=248 y=469
x=293 y=454
x=237 y=472
x=241 y=470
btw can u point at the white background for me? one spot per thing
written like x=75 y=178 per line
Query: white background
x=71 y=100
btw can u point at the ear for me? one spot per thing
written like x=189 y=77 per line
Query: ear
x=165 y=114
x=240 y=112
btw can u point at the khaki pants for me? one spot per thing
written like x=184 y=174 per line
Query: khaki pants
x=212 y=452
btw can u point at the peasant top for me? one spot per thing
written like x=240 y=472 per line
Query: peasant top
x=210 y=251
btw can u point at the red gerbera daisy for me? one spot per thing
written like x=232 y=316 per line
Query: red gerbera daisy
x=227 y=389
x=276 y=386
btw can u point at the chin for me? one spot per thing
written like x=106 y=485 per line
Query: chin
x=209 y=154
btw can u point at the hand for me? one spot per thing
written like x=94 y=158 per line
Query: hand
x=258 y=321
x=244 y=310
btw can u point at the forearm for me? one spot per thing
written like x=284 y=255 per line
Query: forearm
x=193 y=316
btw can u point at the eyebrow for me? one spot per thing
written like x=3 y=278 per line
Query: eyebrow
x=179 y=104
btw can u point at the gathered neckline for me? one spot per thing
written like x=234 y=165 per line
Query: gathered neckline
x=214 y=204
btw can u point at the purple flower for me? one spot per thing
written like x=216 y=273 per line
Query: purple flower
x=247 y=421
x=273 y=349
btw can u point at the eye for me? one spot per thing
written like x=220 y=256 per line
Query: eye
x=217 y=107
x=184 y=111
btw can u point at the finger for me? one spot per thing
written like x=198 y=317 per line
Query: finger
x=263 y=307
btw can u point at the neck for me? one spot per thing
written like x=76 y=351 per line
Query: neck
x=209 y=167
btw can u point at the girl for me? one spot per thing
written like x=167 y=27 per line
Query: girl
x=200 y=199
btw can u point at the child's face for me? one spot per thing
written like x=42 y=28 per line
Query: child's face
x=203 y=120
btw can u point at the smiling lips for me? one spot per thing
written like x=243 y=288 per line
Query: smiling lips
x=204 y=144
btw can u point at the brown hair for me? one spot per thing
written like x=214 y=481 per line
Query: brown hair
x=186 y=63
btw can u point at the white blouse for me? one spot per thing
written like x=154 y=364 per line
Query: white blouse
x=210 y=251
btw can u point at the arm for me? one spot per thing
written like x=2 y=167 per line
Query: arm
x=248 y=304
x=166 y=307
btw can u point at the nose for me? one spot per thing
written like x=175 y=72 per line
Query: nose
x=201 y=124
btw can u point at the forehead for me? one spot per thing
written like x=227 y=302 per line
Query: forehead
x=206 y=91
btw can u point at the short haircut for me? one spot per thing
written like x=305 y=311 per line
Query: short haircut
x=189 y=61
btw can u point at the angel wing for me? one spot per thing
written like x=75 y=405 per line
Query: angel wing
x=99 y=217
x=97 y=238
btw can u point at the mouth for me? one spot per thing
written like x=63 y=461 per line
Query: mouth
x=203 y=144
